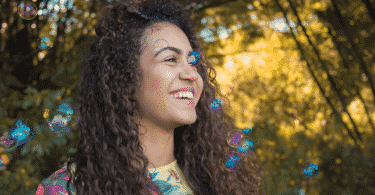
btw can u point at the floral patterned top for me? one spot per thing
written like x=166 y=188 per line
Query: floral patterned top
x=169 y=179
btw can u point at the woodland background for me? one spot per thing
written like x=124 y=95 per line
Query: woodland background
x=305 y=84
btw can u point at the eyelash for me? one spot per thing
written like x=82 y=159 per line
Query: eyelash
x=170 y=59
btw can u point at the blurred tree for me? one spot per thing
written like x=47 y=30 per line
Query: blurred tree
x=286 y=97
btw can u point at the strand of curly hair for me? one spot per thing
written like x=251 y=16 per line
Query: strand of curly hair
x=109 y=156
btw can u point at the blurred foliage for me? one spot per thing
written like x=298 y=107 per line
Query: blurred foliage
x=305 y=84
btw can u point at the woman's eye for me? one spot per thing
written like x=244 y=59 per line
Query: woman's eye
x=170 y=59
x=193 y=62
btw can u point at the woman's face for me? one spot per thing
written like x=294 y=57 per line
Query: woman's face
x=165 y=71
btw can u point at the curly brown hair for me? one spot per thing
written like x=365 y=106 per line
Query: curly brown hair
x=109 y=158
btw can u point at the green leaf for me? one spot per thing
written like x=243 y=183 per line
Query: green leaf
x=30 y=90
x=38 y=150
x=28 y=102
x=72 y=150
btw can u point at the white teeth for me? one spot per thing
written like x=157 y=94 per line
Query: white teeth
x=183 y=94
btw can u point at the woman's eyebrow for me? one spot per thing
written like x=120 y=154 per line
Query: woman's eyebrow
x=178 y=51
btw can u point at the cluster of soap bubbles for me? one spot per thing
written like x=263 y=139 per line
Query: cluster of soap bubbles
x=28 y=11
x=62 y=119
x=240 y=140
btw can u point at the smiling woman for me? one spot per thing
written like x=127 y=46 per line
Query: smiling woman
x=161 y=112
x=145 y=121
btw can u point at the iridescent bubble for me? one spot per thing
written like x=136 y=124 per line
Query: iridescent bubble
x=27 y=10
x=310 y=168
x=247 y=130
x=232 y=161
x=6 y=141
x=245 y=146
x=194 y=58
x=20 y=134
x=44 y=43
x=215 y=104
x=62 y=118
x=234 y=138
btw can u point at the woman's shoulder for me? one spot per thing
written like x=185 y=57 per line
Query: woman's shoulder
x=57 y=182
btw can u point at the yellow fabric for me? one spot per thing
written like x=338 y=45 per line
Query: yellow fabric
x=170 y=180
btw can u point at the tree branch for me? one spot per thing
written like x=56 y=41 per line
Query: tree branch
x=330 y=78
x=303 y=56
x=346 y=66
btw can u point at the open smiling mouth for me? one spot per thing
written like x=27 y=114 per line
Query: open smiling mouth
x=184 y=99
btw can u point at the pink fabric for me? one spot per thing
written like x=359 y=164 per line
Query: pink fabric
x=154 y=193
x=55 y=184
x=40 y=190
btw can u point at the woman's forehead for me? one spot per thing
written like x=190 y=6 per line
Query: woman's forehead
x=166 y=35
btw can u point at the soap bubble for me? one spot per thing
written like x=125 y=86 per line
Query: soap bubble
x=20 y=134
x=62 y=118
x=234 y=138
x=44 y=43
x=310 y=168
x=6 y=141
x=215 y=104
x=27 y=10
x=232 y=161
x=245 y=146
x=247 y=130
x=194 y=58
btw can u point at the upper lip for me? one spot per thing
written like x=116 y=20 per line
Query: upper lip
x=191 y=89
